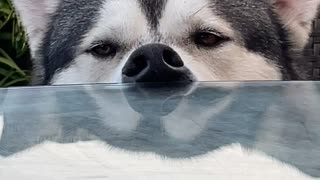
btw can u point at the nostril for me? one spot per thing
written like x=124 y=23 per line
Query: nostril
x=172 y=58
x=137 y=65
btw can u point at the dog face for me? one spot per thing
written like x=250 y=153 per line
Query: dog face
x=114 y=41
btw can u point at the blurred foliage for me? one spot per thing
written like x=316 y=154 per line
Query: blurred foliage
x=14 y=52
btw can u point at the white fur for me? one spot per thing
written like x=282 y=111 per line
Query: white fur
x=297 y=16
x=35 y=17
x=95 y=160
x=181 y=16
x=229 y=62
x=124 y=22
x=120 y=20
x=112 y=24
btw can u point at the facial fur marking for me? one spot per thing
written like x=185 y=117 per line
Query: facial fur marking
x=68 y=24
x=259 y=43
x=153 y=10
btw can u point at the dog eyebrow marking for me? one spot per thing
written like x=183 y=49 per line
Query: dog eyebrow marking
x=153 y=10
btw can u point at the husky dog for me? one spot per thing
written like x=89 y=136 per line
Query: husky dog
x=128 y=41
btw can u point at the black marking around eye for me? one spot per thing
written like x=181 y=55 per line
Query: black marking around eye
x=69 y=23
x=260 y=28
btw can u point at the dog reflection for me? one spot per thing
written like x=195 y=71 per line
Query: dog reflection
x=175 y=121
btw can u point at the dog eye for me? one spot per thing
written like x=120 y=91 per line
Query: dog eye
x=207 y=39
x=103 y=50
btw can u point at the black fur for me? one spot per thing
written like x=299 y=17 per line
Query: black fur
x=67 y=27
x=153 y=10
x=256 y=21
x=261 y=31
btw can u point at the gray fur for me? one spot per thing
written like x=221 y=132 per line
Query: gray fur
x=256 y=22
x=70 y=22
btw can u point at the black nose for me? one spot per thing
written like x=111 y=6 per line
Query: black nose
x=155 y=63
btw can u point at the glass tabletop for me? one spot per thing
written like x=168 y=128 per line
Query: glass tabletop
x=253 y=130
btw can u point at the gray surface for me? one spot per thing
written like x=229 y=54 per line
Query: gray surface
x=280 y=119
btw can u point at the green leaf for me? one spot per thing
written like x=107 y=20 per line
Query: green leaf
x=13 y=82
x=13 y=46
x=4 y=80
x=5 y=36
x=8 y=18
x=11 y=64
x=4 y=72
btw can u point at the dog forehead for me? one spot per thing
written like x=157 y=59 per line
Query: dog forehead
x=75 y=15
x=78 y=16
x=74 y=18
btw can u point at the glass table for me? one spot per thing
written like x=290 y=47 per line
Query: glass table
x=253 y=130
